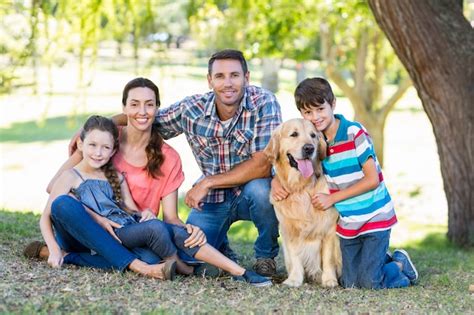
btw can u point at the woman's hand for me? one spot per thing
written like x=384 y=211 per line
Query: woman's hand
x=147 y=214
x=278 y=192
x=55 y=258
x=322 y=201
x=197 y=237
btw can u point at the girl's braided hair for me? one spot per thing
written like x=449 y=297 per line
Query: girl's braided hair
x=153 y=151
x=101 y=123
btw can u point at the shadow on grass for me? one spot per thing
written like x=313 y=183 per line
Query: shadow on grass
x=57 y=128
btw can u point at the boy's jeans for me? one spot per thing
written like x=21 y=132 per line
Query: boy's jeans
x=364 y=263
x=78 y=233
x=252 y=204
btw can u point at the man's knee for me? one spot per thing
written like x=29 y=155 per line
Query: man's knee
x=258 y=190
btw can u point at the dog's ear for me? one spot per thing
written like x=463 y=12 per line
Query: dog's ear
x=272 y=151
x=322 y=148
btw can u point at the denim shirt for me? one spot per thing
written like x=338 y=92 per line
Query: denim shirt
x=97 y=195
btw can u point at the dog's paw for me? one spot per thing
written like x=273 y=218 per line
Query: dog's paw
x=330 y=283
x=292 y=283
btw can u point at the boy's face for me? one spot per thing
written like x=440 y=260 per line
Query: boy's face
x=322 y=116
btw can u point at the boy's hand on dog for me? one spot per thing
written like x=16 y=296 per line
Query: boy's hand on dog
x=279 y=193
x=322 y=201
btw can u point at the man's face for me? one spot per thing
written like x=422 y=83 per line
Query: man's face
x=228 y=81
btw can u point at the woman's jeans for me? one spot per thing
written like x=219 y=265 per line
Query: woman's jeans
x=365 y=263
x=77 y=233
x=252 y=204
x=162 y=238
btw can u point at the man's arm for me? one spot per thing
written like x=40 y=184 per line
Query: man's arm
x=256 y=167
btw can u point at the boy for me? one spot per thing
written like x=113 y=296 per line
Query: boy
x=358 y=192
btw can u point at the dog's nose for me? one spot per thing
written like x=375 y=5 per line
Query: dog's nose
x=308 y=150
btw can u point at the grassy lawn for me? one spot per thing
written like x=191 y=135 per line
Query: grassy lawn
x=33 y=287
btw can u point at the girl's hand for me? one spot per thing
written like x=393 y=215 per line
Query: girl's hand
x=147 y=214
x=278 y=192
x=322 y=201
x=197 y=237
x=55 y=258
x=108 y=225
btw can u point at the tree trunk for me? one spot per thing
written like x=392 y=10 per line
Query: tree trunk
x=270 y=74
x=435 y=43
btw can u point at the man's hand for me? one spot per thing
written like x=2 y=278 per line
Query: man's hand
x=196 y=194
x=322 y=201
x=279 y=193
x=108 y=225
x=73 y=143
x=197 y=237
x=55 y=258
x=147 y=214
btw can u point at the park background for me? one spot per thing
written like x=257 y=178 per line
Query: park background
x=62 y=61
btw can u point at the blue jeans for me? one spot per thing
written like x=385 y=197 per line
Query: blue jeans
x=365 y=264
x=77 y=233
x=252 y=204
x=162 y=238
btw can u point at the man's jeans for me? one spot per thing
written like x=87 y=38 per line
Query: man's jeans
x=77 y=233
x=364 y=263
x=252 y=204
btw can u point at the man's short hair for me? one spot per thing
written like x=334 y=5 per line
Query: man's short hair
x=313 y=92
x=228 y=54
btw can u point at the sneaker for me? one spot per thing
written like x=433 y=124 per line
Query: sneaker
x=254 y=279
x=408 y=268
x=265 y=267
x=207 y=271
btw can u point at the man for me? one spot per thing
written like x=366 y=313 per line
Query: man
x=227 y=129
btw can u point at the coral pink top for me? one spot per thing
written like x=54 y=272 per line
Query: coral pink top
x=146 y=190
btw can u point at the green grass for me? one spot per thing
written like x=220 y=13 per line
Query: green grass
x=32 y=287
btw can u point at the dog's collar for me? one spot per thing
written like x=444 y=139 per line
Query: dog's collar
x=292 y=160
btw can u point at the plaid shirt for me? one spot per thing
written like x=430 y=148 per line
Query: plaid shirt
x=218 y=147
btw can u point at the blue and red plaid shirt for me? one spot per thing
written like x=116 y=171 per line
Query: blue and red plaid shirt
x=219 y=147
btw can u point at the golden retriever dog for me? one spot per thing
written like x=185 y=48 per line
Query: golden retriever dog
x=310 y=244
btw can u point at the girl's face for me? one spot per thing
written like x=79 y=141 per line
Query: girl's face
x=97 y=148
x=140 y=108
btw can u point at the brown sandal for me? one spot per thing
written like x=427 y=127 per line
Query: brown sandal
x=33 y=249
x=169 y=270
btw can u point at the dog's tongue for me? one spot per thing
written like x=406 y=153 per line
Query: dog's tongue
x=305 y=167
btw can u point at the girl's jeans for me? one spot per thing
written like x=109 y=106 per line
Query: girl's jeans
x=365 y=264
x=77 y=233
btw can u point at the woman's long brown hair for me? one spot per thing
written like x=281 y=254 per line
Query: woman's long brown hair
x=153 y=151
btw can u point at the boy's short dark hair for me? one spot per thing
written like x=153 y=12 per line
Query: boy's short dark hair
x=228 y=54
x=313 y=92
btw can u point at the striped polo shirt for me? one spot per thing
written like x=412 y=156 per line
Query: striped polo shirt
x=371 y=211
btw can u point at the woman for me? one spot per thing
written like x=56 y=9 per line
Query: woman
x=153 y=171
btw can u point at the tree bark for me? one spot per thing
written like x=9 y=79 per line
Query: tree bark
x=435 y=43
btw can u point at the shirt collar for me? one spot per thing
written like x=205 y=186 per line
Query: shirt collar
x=341 y=135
